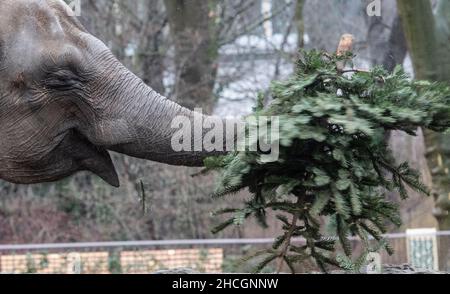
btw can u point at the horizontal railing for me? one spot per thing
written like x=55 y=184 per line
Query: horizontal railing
x=192 y=242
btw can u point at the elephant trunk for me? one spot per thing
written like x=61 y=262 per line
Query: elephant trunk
x=133 y=119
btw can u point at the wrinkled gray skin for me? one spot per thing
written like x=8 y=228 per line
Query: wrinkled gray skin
x=65 y=100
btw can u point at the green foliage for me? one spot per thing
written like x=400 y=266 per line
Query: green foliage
x=334 y=163
x=114 y=265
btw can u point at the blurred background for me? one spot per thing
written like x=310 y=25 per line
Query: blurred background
x=218 y=55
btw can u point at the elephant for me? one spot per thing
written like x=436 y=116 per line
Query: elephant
x=66 y=101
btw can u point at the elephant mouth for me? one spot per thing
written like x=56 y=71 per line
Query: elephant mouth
x=73 y=153
x=87 y=156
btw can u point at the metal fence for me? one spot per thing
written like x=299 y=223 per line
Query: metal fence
x=421 y=248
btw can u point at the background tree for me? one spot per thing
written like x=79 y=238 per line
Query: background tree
x=427 y=36
x=192 y=26
x=300 y=23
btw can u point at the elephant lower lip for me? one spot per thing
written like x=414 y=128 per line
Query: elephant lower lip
x=91 y=158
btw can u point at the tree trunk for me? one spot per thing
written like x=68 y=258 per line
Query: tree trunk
x=150 y=58
x=428 y=45
x=300 y=23
x=420 y=32
x=192 y=30
x=397 y=48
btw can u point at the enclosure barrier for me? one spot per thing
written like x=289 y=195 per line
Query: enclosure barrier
x=421 y=248
x=104 y=262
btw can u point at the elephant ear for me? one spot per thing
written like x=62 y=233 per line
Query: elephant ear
x=91 y=158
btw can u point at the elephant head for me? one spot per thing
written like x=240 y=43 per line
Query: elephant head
x=65 y=100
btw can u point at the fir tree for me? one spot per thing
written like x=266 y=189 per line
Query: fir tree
x=334 y=162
